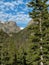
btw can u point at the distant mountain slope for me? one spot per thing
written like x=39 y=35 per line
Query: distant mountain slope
x=3 y=36
x=9 y=27
x=22 y=37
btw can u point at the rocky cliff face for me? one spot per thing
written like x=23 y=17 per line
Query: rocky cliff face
x=30 y=22
x=9 y=27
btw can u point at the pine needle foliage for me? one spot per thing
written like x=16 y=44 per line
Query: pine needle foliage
x=40 y=38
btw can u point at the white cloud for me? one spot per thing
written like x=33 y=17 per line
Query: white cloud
x=9 y=4
x=20 y=1
x=21 y=28
x=18 y=17
x=3 y=16
x=13 y=5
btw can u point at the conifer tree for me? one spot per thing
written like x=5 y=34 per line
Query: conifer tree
x=3 y=36
x=7 y=49
x=21 y=57
x=15 y=60
x=40 y=37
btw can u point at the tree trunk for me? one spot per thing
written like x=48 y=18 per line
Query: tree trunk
x=41 y=48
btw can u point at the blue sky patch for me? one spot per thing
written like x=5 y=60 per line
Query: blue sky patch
x=14 y=10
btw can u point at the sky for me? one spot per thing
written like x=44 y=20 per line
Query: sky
x=15 y=10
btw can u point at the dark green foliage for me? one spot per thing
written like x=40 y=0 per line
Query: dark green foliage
x=10 y=52
x=24 y=47
x=15 y=60
x=40 y=37
x=7 y=48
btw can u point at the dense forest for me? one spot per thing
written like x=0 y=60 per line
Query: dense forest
x=29 y=46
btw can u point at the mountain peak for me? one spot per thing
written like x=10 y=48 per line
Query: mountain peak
x=9 y=27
